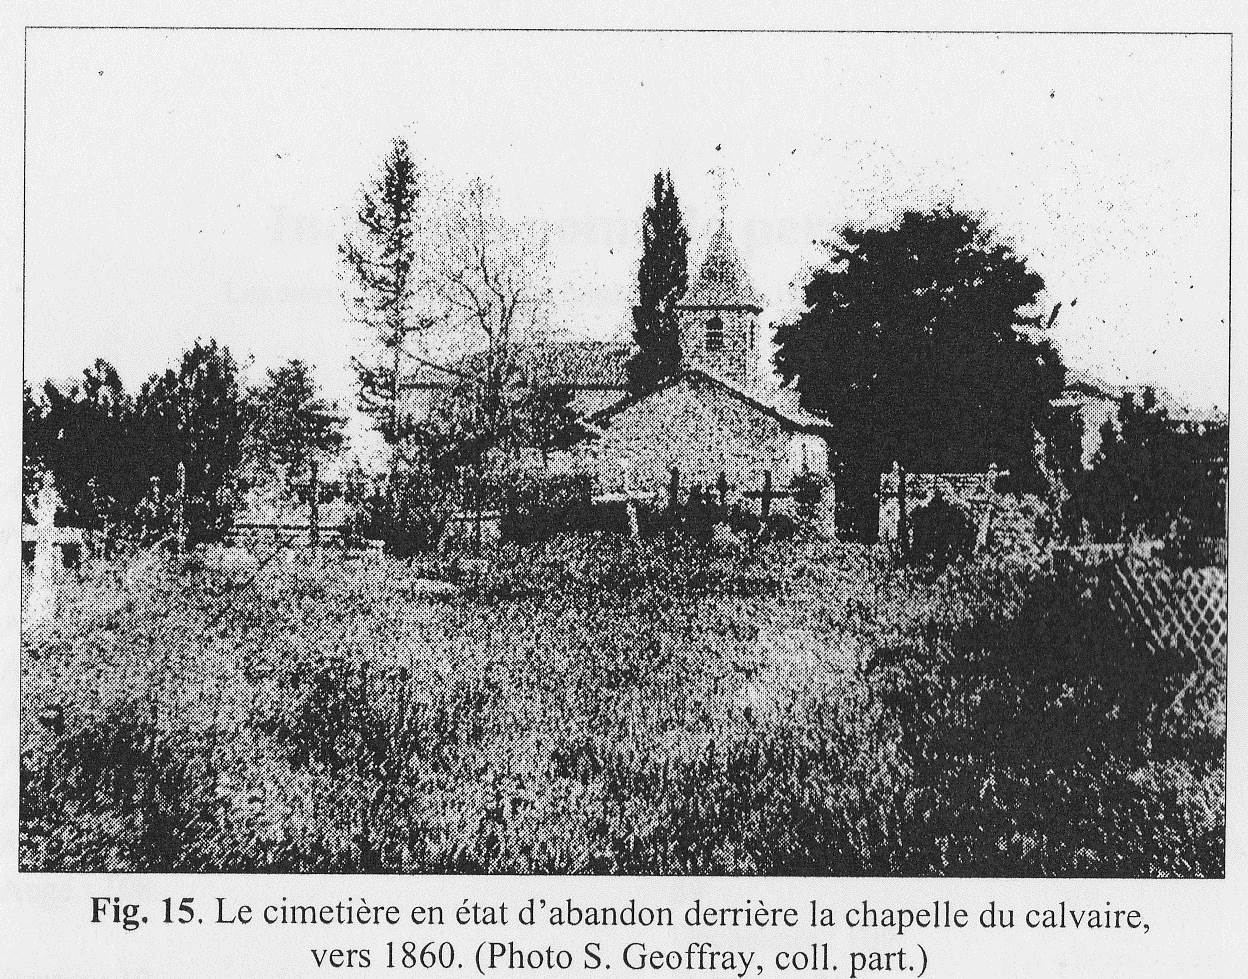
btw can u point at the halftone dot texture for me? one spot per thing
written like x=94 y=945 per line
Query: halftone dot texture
x=744 y=704
x=714 y=685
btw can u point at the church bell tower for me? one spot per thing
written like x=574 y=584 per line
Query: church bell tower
x=718 y=316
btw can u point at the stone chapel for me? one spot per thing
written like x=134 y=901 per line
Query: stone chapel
x=720 y=413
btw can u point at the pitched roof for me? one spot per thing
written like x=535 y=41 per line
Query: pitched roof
x=722 y=279
x=1083 y=385
x=581 y=364
x=790 y=416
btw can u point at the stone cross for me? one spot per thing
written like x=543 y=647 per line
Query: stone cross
x=47 y=537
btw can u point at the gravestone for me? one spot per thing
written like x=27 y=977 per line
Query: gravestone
x=41 y=599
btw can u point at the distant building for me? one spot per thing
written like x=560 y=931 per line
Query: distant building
x=595 y=371
x=1091 y=403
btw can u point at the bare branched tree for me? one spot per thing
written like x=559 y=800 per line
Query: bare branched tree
x=490 y=283
x=444 y=282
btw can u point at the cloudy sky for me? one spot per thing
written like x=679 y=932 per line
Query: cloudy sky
x=197 y=183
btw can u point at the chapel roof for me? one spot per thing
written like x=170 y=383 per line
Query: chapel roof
x=789 y=414
x=1085 y=386
x=721 y=279
x=584 y=364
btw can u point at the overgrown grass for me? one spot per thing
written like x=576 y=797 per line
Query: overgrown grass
x=586 y=705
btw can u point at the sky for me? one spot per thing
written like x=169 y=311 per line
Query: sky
x=196 y=184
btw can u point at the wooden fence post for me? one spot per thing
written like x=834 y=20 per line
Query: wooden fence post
x=765 y=509
x=314 y=515
x=673 y=489
x=903 y=519
x=179 y=511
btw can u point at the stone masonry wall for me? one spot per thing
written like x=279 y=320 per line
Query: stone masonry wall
x=699 y=428
x=737 y=362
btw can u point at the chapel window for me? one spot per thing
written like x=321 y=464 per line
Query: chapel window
x=714 y=333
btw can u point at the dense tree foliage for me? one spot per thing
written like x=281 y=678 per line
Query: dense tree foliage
x=662 y=277
x=292 y=424
x=910 y=345
x=1153 y=477
x=195 y=417
x=33 y=442
x=84 y=436
x=114 y=458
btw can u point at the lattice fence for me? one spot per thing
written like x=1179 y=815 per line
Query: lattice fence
x=1179 y=616
x=1172 y=611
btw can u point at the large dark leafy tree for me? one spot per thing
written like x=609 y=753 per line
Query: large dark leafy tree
x=292 y=424
x=917 y=345
x=83 y=435
x=662 y=277
x=195 y=417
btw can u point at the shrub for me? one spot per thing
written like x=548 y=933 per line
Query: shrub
x=808 y=489
x=743 y=521
x=1032 y=734
x=699 y=514
x=780 y=526
x=1149 y=473
x=940 y=532
x=408 y=519
x=536 y=505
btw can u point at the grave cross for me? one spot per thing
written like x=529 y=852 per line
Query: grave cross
x=47 y=537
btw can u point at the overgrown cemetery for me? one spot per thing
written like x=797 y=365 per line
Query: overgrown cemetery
x=884 y=588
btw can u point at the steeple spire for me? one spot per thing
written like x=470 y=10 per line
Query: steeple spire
x=722 y=280
x=719 y=313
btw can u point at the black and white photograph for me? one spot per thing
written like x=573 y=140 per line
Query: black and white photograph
x=646 y=452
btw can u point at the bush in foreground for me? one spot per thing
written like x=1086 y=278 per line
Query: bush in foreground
x=1038 y=740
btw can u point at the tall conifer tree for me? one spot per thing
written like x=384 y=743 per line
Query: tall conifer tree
x=662 y=278
x=381 y=257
